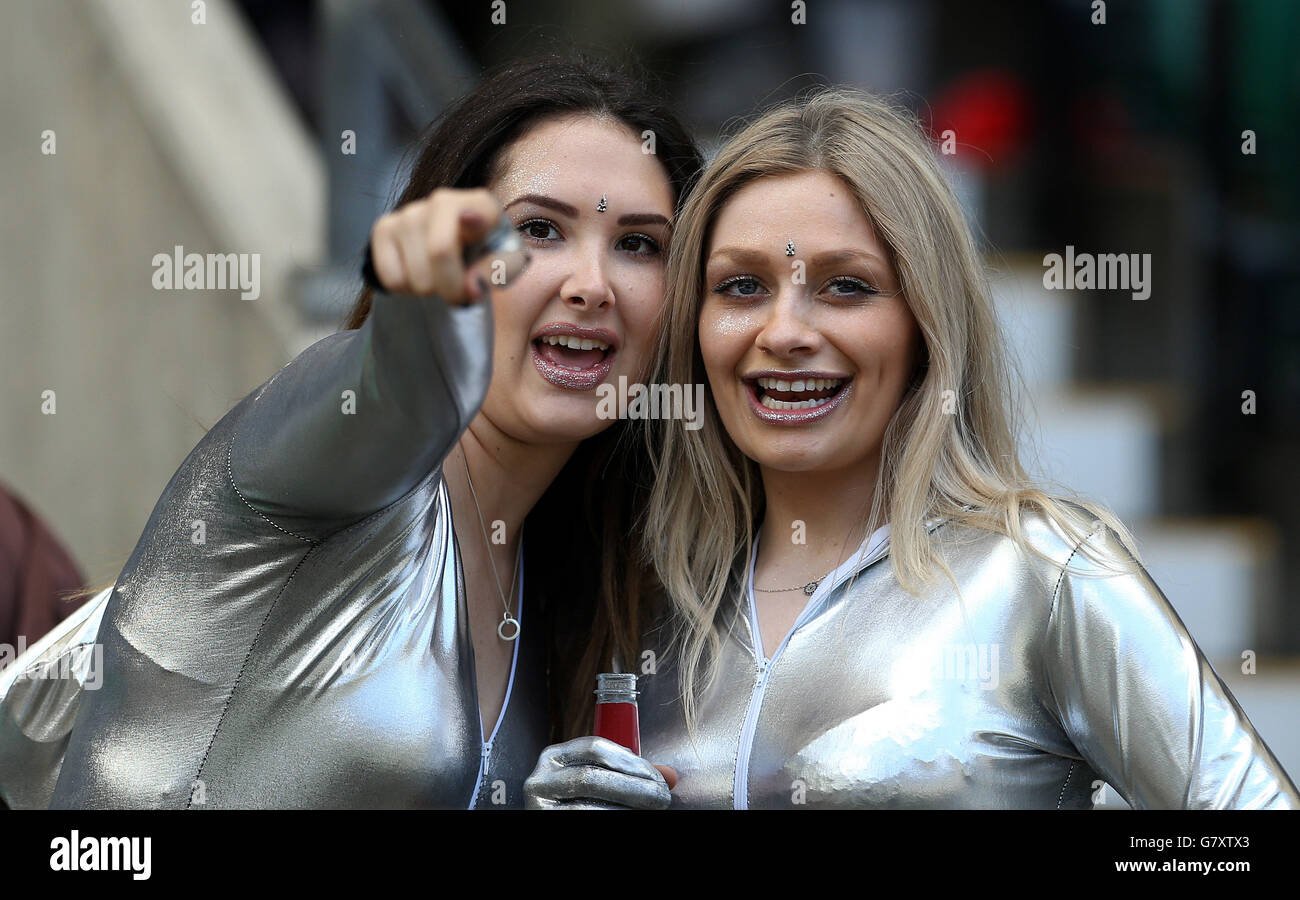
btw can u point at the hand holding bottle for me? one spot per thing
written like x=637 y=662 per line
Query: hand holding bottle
x=596 y=773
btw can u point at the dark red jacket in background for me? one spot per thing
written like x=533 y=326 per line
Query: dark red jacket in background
x=34 y=571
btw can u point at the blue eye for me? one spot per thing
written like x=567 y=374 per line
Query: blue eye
x=639 y=244
x=539 y=230
x=850 y=286
x=744 y=286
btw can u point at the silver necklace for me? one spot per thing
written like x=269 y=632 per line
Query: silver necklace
x=507 y=621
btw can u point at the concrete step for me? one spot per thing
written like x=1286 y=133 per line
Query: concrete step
x=1100 y=442
x=1221 y=575
x=1038 y=324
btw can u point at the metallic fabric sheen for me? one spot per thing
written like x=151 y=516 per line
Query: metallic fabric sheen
x=40 y=694
x=1029 y=691
x=291 y=628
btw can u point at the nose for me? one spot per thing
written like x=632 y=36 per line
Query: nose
x=787 y=332
x=587 y=285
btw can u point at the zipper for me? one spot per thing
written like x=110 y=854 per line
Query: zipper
x=740 y=799
x=482 y=769
x=486 y=748
x=740 y=796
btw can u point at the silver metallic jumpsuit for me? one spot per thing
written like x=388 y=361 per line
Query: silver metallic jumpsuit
x=1030 y=691
x=291 y=628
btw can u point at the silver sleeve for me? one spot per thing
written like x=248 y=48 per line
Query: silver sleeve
x=1142 y=703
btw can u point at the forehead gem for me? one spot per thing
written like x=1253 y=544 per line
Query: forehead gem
x=789 y=248
x=602 y=205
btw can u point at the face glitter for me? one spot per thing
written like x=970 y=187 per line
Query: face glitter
x=531 y=176
x=732 y=321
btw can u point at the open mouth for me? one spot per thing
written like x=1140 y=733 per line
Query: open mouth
x=804 y=393
x=795 y=399
x=573 y=360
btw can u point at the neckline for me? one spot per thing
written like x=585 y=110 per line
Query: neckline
x=870 y=545
x=868 y=552
x=484 y=737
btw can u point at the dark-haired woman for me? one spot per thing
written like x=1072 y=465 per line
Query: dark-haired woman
x=352 y=630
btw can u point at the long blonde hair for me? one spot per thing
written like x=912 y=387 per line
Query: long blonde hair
x=960 y=464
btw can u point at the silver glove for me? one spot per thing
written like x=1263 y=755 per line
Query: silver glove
x=594 y=773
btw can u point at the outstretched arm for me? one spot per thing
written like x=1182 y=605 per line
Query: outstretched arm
x=359 y=418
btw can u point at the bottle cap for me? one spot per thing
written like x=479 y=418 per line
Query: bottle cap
x=616 y=686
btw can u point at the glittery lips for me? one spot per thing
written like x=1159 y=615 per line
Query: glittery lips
x=573 y=357
x=794 y=398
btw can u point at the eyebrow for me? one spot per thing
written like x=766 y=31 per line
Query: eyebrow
x=547 y=202
x=572 y=211
x=748 y=256
x=644 y=219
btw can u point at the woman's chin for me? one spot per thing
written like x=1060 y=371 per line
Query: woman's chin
x=571 y=416
x=786 y=456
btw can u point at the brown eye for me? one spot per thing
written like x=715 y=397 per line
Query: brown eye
x=639 y=244
x=539 y=230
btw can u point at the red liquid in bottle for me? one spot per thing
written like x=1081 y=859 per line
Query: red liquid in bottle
x=618 y=722
x=616 y=717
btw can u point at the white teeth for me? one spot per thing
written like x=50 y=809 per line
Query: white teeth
x=807 y=384
x=770 y=403
x=575 y=343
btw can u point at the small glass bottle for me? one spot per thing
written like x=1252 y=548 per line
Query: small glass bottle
x=616 y=717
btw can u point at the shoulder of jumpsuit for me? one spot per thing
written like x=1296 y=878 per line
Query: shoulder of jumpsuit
x=359 y=419
x=1093 y=608
x=40 y=693
x=1027 y=579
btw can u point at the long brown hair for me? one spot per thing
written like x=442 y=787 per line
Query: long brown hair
x=580 y=562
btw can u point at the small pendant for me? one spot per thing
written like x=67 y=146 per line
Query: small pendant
x=508 y=622
x=810 y=588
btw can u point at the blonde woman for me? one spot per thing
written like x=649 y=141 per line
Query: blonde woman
x=868 y=602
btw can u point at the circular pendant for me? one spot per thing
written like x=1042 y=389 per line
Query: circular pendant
x=508 y=622
x=810 y=588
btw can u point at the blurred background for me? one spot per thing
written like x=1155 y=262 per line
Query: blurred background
x=1161 y=127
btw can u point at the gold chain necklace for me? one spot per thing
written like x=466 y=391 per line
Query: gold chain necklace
x=810 y=588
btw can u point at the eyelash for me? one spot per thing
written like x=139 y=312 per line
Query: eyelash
x=721 y=287
x=861 y=285
x=523 y=230
x=654 y=250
